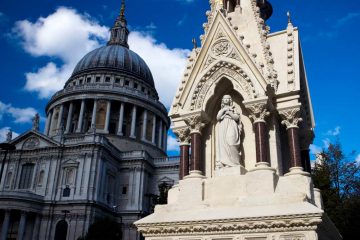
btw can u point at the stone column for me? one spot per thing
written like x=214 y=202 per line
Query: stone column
x=48 y=123
x=144 y=126
x=69 y=117
x=93 y=116
x=195 y=122
x=81 y=116
x=160 y=133
x=165 y=138
x=107 y=119
x=121 y=119
x=5 y=225
x=133 y=122
x=183 y=137
x=258 y=113
x=59 y=123
x=35 y=233
x=290 y=118
x=22 y=226
x=153 y=134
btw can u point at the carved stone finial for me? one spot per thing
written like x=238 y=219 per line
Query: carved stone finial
x=289 y=17
x=9 y=136
x=36 y=122
x=183 y=135
x=290 y=117
x=194 y=43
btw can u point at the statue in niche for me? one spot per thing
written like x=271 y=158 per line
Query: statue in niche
x=228 y=135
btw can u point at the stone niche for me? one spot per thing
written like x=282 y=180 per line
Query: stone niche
x=210 y=131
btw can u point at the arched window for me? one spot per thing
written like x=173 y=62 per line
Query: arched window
x=8 y=179
x=41 y=178
x=69 y=176
x=66 y=192
x=26 y=176
x=61 y=230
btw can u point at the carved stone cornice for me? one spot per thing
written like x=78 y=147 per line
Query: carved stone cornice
x=290 y=117
x=183 y=135
x=196 y=121
x=258 y=109
x=234 y=226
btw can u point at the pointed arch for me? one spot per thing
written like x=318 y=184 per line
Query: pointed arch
x=209 y=80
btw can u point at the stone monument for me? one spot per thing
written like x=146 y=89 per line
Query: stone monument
x=243 y=110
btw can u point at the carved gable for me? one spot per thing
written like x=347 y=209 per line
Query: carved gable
x=33 y=140
x=223 y=55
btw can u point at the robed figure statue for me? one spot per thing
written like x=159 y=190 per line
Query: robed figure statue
x=228 y=135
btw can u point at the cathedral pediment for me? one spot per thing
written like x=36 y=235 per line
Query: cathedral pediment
x=33 y=140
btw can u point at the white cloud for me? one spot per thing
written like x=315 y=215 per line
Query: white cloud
x=314 y=149
x=172 y=143
x=357 y=159
x=3 y=133
x=20 y=115
x=65 y=35
x=342 y=21
x=69 y=35
x=166 y=65
x=334 y=132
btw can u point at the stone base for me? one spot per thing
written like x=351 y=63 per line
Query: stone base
x=228 y=171
x=257 y=205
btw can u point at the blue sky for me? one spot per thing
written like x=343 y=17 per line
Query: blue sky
x=39 y=48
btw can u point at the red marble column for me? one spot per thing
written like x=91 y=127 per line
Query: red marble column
x=293 y=139
x=195 y=151
x=261 y=142
x=184 y=161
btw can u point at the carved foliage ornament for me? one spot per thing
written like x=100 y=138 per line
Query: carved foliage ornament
x=214 y=74
x=290 y=117
x=221 y=48
x=208 y=227
x=258 y=111
x=182 y=135
x=195 y=122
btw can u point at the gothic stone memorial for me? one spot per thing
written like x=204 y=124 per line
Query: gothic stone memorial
x=243 y=110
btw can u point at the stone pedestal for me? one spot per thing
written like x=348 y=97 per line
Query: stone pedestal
x=256 y=205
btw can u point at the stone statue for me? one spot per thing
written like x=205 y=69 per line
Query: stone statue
x=36 y=122
x=228 y=135
x=9 y=136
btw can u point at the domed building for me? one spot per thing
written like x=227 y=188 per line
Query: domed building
x=102 y=153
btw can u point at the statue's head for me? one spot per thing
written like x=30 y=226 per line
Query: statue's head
x=226 y=101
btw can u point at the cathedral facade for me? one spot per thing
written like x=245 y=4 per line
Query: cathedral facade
x=102 y=153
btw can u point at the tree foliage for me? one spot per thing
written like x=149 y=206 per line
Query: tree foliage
x=338 y=178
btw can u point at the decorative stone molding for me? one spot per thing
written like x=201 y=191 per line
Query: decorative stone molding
x=214 y=74
x=290 y=117
x=31 y=143
x=183 y=135
x=258 y=109
x=290 y=55
x=235 y=226
x=196 y=122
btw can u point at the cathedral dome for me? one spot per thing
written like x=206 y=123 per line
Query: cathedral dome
x=115 y=58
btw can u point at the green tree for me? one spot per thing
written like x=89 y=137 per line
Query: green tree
x=338 y=178
x=104 y=228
